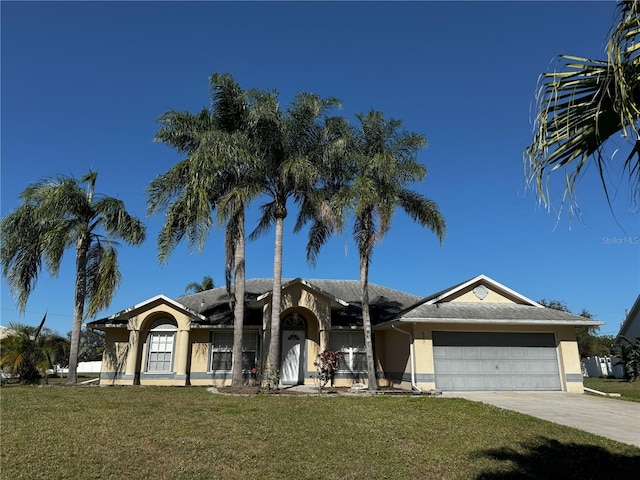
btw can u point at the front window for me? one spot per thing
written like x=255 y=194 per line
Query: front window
x=222 y=351
x=160 y=342
x=351 y=345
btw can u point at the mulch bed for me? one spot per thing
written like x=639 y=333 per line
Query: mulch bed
x=254 y=390
x=249 y=390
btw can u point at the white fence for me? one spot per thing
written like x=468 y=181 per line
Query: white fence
x=603 y=367
x=85 y=367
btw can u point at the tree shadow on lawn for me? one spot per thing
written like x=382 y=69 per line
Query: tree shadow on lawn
x=548 y=458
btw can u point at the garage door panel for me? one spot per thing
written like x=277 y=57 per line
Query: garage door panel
x=503 y=352
x=503 y=366
x=495 y=361
x=518 y=353
x=506 y=383
x=519 y=366
x=488 y=368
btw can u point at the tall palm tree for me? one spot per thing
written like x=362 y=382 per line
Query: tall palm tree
x=216 y=174
x=384 y=162
x=197 y=287
x=582 y=105
x=55 y=214
x=292 y=145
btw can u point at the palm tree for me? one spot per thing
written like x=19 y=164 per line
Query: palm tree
x=195 y=287
x=385 y=162
x=30 y=352
x=55 y=214
x=216 y=174
x=292 y=145
x=585 y=103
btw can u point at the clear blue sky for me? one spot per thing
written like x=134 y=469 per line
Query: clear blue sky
x=84 y=83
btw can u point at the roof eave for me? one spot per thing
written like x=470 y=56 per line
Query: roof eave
x=127 y=313
x=490 y=321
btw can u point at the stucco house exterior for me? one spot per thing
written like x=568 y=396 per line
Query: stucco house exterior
x=476 y=335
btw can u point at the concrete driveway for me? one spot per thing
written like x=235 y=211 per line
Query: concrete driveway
x=615 y=419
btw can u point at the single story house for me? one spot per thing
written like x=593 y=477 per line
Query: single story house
x=476 y=335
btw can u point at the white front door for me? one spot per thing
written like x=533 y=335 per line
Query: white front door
x=292 y=350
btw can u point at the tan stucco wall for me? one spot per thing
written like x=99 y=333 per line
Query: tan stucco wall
x=200 y=343
x=114 y=358
x=493 y=296
x=298 y=295
x=569 y=357
x=393 y=353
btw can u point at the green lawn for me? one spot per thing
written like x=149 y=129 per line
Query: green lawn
x=627 y=390
x=189 y=433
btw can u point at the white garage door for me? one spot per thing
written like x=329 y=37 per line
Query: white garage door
x=495 y=361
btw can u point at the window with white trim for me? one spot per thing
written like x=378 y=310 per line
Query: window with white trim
x=160 y=346
x=351 y=345
x=222 y=351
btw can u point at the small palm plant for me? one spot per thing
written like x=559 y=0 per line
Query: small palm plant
x=631 y=358
x=30 y=352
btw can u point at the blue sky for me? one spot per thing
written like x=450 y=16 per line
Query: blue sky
x=84 y=83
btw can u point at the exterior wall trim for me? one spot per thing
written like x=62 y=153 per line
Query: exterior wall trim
x=161 y=376
x=115 y=376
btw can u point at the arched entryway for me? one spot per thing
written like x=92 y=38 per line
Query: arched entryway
x=294 y=336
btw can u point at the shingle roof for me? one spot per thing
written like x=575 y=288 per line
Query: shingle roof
x=470 y=312
x=387 y=305
x=384 y=302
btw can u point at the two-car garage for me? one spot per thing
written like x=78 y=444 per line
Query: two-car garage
x=476 y=361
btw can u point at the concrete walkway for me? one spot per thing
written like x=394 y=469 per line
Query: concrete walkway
x=610 y=418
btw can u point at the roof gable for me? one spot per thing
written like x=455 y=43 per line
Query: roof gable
x=479 y=289
x=335 y=301
x=123 y=316
x=482 y=300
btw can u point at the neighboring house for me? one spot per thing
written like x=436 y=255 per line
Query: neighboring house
x=477 y=335
x=630 y=328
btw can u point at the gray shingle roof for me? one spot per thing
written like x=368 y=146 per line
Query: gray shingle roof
x=384 y=302
x=386 y=305
x=469 y=312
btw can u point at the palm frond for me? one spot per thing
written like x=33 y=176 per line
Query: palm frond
x=181 y=130
x=188 y=217
x=423 y=211
x=582 y=105
x=21 y=259
x=229 y=103
x=117 y=222
x=103 y=276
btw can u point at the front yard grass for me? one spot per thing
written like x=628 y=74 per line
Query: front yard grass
x=189 y=433
x=628 y=390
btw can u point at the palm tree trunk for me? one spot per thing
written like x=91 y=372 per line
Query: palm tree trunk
x=273 y=359
x=366 y=322
x=238 y=309
x=82 y=246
